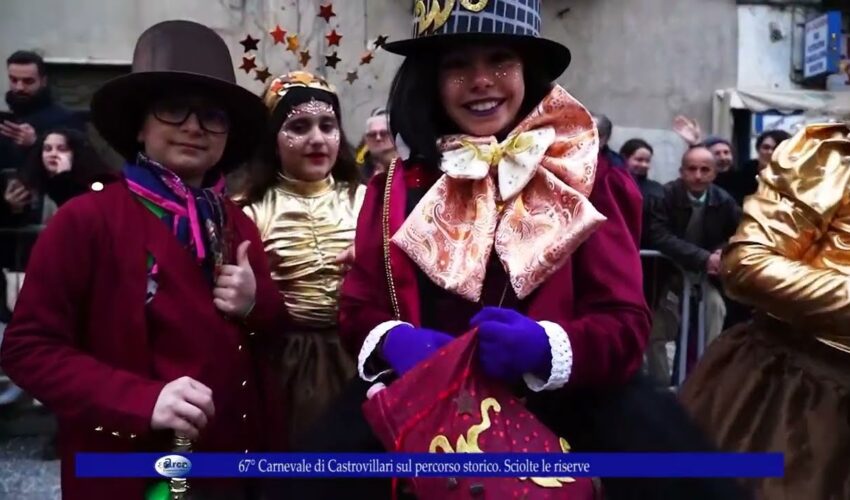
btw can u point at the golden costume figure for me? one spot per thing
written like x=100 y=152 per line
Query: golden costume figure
x=304 y=227
x=782 y=383
x=304 y=195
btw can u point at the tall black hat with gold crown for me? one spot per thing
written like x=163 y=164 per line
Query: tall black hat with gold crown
x=442 y=24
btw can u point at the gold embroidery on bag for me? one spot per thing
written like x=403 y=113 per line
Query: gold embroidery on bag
x=469 y=444
x=553 y=482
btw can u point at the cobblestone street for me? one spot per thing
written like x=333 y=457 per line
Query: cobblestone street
x=23 y=474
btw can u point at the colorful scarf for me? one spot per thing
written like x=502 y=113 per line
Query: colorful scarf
x=195 y=216
x=526 y=197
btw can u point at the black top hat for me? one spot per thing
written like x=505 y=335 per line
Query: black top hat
x=441 y=24
x=178 y=54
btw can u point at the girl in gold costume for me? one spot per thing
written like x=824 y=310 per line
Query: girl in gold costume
x=782 y=382
x=304 y=195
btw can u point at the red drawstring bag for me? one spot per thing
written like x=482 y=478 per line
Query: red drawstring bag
x=444 y=405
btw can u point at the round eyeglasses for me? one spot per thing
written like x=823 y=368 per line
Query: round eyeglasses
x=213 y=119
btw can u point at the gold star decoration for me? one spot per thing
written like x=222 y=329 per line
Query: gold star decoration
x=292 y=43
x=332 y=60
x=465 y=403
x=381 y=41
x=333 y=38
x=367 y=58
x=327 y=12
x=262 y=75
x=305 y=58
x=352 y=76
x=249 y=43
x=248 y=64
x=279 y=35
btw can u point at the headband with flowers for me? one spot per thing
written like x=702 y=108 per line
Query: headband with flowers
x=282 y=84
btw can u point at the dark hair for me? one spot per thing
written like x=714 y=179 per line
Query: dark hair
x=631 y=146
x=714 y=140
x=604 y=125
x=417 y=114
x=777 y=135
x=86 y=163
x=27 y=57
x=262 y=171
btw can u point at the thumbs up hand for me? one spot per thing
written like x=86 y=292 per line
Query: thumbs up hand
x=235 y=287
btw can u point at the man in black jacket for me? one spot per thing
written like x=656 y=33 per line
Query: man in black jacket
x=33 y=112
x=690 y=224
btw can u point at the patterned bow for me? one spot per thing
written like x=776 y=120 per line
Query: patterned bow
x=535 y=220
x=516 y=158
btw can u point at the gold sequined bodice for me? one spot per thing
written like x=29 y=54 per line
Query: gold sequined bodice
x=304 y=227
x=791 y=254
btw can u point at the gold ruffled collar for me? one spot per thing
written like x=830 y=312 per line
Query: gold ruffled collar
x=307 y=189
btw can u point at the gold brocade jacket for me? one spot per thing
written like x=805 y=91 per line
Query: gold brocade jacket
x=304 y=227
x=791 y=254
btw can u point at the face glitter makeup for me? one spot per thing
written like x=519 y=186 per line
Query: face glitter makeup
x=312 y=107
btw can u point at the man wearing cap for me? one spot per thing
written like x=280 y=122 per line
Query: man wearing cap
x=728 y=177
x=147 y=304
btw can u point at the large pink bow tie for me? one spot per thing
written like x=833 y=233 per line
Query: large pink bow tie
x=526 y=197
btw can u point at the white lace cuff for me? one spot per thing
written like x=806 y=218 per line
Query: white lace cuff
x=369 y=345
x=562 y=360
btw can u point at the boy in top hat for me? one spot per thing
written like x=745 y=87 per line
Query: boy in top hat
x=147 y=304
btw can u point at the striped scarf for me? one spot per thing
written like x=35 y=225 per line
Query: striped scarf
x=195 y=216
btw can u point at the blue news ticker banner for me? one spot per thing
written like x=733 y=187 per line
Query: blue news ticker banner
x=276 y=465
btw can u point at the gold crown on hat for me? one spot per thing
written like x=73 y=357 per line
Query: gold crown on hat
x=435 y=16
x=282 y=84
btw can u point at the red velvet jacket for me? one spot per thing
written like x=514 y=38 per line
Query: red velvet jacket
x=83 y=341
x=597 y=296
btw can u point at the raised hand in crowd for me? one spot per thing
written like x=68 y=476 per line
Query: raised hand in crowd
x=184 y=406
x=688 y=129
x=23 y=134
x=236 y=287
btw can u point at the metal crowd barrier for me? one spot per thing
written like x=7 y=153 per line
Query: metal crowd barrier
x=9 y=392
x=688 y=286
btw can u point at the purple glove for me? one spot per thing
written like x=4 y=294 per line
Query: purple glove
x=511 y=344
x=406 y=346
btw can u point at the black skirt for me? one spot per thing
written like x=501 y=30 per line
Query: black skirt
x=637 y=417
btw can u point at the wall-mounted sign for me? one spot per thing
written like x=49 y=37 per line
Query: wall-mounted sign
x=822 y=48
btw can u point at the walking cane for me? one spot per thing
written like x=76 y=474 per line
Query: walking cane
x=178 y=487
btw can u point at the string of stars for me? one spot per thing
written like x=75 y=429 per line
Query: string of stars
x=293 y=44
